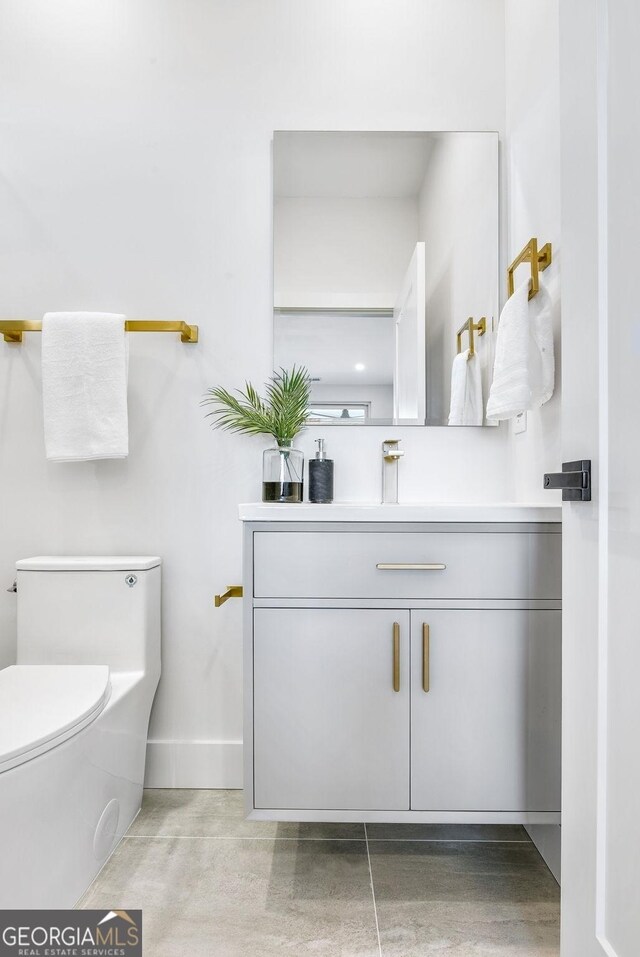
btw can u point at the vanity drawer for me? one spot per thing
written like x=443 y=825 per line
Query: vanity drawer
x=360 y=564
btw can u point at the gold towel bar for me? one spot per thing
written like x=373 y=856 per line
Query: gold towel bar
x=539 y=260
x=12 y=329
x=470 y=326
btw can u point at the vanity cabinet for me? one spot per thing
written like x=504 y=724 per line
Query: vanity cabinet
x=402 y=673
x=485 y=710
x=330 y=731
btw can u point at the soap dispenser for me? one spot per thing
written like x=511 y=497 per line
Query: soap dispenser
x=321 y=476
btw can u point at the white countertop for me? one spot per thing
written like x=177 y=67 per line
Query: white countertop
x=427 y=512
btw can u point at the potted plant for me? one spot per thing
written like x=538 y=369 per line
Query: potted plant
x=283 y=413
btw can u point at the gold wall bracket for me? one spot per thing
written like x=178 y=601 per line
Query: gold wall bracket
x=470 y=326
x=12 y=329
x=538 y=259
x=233 y=591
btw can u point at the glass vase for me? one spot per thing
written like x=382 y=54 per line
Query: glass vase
x=282 y=473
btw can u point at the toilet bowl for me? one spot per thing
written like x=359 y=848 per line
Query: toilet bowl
x=43 y=705
x=74 y=715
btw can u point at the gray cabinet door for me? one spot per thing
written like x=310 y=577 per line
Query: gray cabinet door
x=330 y=731
x=484 y=736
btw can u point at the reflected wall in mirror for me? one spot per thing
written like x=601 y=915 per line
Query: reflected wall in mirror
x=384 y=245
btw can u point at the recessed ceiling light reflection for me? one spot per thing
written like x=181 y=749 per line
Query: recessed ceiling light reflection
x=359 y=367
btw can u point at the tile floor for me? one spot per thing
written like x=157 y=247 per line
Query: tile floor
x=213 y=885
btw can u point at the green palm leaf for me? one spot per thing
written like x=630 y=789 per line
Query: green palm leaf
x=283 y=413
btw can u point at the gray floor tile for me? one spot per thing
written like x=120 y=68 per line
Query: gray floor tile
x=464 y=900
x=234 y=898
x=446 y=832
x=192 y=813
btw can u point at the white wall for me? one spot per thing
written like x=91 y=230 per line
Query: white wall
x=532 y=160
x=458 y=222
x=532 y=167
x=343 y=251
x=135 y=176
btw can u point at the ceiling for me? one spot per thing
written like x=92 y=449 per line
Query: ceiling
x=330 y=346
x=350 y=164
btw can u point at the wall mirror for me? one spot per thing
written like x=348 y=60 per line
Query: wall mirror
x=385 y=244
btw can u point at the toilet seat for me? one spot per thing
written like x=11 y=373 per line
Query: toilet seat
x=43 y=705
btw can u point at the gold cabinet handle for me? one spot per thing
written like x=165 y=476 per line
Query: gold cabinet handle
x=396 y=656
x=425 y=657
x=411 y=566
x=233 y=591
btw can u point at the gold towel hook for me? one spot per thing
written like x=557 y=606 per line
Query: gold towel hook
x=539 y=260
x=470 y=326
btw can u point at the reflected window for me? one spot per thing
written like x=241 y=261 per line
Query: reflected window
x=330 y=411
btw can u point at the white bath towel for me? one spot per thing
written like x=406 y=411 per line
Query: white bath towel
x=466 y=390
x=84 y=386
x=524 y=371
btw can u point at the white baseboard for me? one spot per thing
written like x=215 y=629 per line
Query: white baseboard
x=194 y=764
x=546 y=838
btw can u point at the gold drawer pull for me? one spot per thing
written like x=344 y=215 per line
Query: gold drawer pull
x=425 y=657
x=411 y=566
x=396 y=656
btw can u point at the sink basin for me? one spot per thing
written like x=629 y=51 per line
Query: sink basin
x=402 y=512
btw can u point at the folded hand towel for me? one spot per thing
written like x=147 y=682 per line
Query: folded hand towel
x=84 y=386
x=466 y=391
x=523 y=372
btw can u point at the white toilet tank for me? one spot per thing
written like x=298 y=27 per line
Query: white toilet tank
x=90 y=610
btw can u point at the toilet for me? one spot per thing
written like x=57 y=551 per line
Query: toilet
x=74 y=716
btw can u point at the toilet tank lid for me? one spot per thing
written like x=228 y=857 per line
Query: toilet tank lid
x=88 y=563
